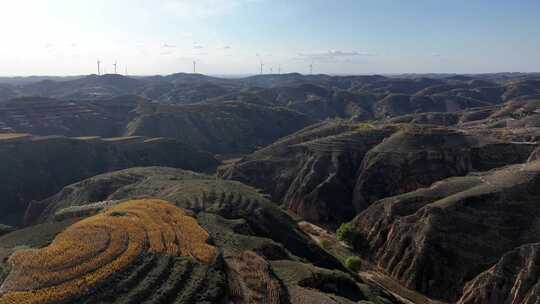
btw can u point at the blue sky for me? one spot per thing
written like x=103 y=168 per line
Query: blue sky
x=66 y=37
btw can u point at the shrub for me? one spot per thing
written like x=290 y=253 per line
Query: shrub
x=5 y=229
x=354 y=263
x=346 y=233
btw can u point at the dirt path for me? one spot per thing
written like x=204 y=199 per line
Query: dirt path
x=396 y=289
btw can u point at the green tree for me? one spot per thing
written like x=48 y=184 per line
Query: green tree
x=346 y=233
x=354 y=263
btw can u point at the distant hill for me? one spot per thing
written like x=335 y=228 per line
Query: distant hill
x=47 y=116
x=88 y=87
x=225 y=128
x=35 y=167
x=189 y=88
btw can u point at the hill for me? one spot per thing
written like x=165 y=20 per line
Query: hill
x=453 y=239
x=88 y=254
x=252 y=246
x=47 y=116
x=229 y=127
x=36 y=167
x=333 y=189
x=329 y=172
x=226 y=128
x=84 y=88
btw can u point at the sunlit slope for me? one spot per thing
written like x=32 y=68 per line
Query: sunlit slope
x=95 y=250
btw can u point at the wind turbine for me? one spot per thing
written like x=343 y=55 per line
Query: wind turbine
x=311 y=68
x=98 y=67
x=115 y=64
x=261 y=62
x=279 y=69
x=194 y=66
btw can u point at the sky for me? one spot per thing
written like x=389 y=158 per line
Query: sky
x=229 y=37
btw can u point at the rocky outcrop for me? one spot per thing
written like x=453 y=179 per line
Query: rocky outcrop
x=514 y=279
x=436 y=239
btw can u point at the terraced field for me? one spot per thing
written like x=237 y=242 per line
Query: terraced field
x=150 y=251
x=147 y=243
x=250 y=280
x=48 y=116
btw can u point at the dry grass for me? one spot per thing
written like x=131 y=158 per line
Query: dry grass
x=8 y=136
x=91 y=251
x=300 y=295
x=250 y=280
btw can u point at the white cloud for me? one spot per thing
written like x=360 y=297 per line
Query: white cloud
x=198 y=46
x=334 y=54
x=168 y=46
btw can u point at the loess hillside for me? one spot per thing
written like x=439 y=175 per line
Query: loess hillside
x=212 y=241
x=88 y=255
x=467 y=239
x=227 y=128
x=288 y=188
x=35 y=167
x=329 y=172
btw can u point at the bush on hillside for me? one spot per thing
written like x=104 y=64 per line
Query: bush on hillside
x=347 y=234
x=354 y=263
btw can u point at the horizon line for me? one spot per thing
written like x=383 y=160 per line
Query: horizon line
x=269 y=74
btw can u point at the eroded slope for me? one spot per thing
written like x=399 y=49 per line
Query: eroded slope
x=436 y=239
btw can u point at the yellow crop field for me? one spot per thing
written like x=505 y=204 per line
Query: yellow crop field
x=93 y=250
